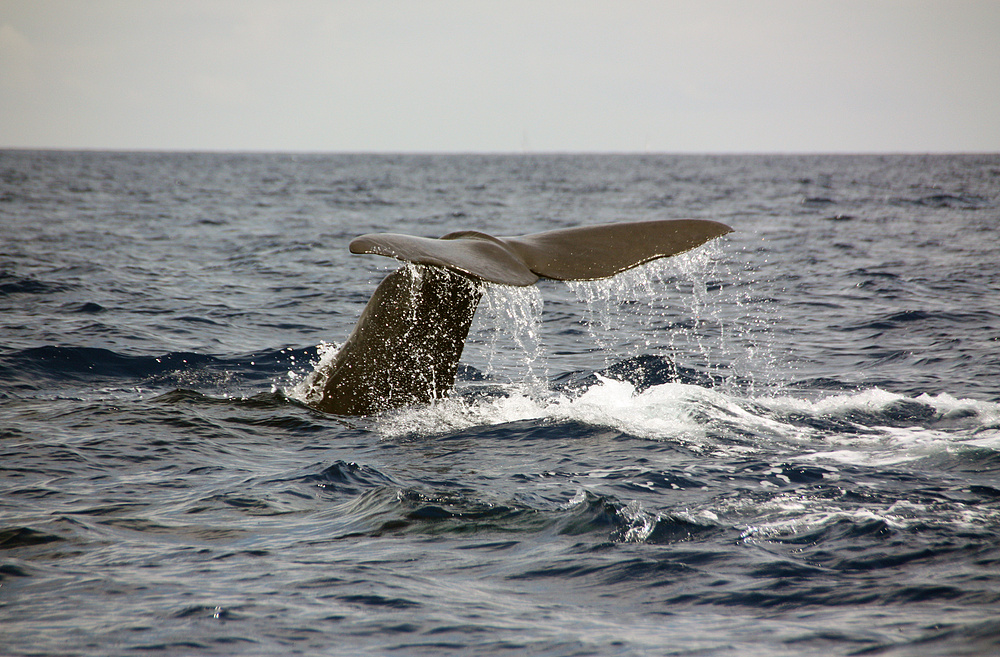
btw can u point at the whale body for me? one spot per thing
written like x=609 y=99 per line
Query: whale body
x=407 y=343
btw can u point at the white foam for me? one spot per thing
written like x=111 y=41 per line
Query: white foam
x=682 y=413
x=951 y=423
x=706 y=419
x=871 y=400
x=671 y=411
x=787 y=514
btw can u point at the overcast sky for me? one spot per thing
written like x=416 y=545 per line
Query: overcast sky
x=510 y=75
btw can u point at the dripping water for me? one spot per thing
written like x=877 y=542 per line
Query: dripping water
x=506 y=337
x=690 y=308
x=693 y=309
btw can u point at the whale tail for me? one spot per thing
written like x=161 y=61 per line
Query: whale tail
x=568 y=254
x=407 y=343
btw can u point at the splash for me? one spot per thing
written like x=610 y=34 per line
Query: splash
x=676 y=308
x=308 y=388
x=873 y=427
x=685 y=414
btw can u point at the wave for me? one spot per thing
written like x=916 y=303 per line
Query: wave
x=62 y=363
x=11 y=284
x=804 y=516
x=949 y=201
x=870 y=426
x=925 y=318
x=648 y=397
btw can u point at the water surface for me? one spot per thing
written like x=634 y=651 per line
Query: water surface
x=786 y=442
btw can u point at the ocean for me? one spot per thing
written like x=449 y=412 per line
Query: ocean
x=785 y=442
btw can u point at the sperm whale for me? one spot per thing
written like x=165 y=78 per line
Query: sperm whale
x=406 y=345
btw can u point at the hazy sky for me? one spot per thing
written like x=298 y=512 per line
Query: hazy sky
x=510 y=75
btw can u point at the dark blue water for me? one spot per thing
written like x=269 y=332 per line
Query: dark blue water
x=784 y=443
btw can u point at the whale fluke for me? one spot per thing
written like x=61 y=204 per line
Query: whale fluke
x=568 y=254
x=407 y=343
x=474 y=254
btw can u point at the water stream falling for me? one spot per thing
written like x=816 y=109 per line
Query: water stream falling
x=692 y=308
x=506 y=336
x=686 y=310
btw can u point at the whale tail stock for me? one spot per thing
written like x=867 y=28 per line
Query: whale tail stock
x=407 y=343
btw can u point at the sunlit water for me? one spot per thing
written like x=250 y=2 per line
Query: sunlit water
x=786 y=442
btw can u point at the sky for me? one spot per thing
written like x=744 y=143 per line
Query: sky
x=703 y=76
